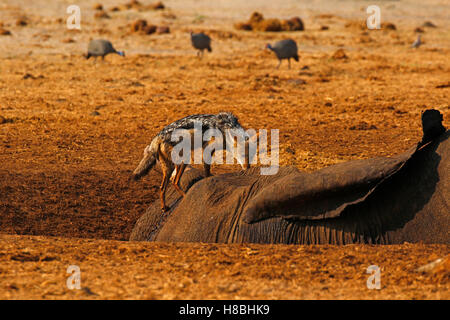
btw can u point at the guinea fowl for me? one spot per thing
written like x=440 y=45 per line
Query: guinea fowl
x=284 y=49
x=101 y=48
x=201 y=41
x=417 y=43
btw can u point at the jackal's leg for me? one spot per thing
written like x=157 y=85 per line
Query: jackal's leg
x=176 y=181
x=207 y=166
x=167 y=169
x=162 y=191
x=207 y=169
x=247 y=156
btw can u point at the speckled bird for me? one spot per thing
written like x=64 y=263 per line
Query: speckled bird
x=417 y=43
x=101 y=48
x=201 y=41
x=284 y=49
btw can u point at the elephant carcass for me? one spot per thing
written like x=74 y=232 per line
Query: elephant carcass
x=376 y=201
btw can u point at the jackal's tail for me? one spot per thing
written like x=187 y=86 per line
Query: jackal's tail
x=147 y=162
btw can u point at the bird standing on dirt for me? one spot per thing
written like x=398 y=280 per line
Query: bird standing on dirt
x=101 y=48
x=201 y=41
x=417 y=43
x=284 y=49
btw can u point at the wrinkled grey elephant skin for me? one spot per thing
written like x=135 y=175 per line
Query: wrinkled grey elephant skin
x=375 y=201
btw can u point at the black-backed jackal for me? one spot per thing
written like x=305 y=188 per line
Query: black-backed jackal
x=160 y=149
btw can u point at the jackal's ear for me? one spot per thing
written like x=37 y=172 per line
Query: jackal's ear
x=223 y=114
x=222 y=117
x=227 y=119
x=228 y=116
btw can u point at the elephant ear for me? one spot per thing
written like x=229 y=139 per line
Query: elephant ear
x=328 y=192
x=324 y=193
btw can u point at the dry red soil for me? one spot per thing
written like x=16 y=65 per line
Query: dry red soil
x=72 y=130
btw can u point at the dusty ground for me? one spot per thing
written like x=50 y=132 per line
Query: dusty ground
x=64 y=169
x=36 y=267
